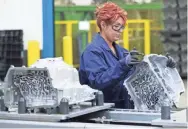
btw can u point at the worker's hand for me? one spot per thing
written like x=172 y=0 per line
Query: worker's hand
x=132 y=57
x=170 y=62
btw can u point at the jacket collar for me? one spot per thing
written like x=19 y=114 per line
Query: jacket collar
x=99 y=40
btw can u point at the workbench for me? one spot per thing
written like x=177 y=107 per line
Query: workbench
x=103 y=118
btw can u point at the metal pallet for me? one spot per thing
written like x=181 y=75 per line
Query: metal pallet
x=104 y=115
x=135 y=117
x=85 y=108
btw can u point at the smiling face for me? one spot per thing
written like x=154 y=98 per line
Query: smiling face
x=111 y=20
x=113 y=31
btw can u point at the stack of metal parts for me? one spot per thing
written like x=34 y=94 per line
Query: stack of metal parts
x=174 y=35
x=11 y=50
x=153 y=84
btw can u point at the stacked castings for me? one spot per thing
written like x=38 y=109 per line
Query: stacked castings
x=11 y=50
x=174 y=35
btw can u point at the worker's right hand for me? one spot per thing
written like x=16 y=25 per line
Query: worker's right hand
x=131 y=58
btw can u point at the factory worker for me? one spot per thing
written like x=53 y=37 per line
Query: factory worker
x=104 y=65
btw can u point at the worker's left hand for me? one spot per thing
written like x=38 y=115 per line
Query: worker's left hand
x=170 y=62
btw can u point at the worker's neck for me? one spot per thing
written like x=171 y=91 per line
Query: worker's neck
x=106 y=39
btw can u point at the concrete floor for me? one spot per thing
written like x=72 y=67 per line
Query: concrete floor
x=183 y=99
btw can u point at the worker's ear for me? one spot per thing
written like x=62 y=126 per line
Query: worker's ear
x=103 y=25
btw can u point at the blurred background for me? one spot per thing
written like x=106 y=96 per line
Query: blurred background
x=140 y=12
x=154 y=26
x=33 y=29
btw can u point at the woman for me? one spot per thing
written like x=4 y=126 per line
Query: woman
x=103 y=64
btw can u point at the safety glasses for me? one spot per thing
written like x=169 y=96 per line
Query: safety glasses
x=118 y=28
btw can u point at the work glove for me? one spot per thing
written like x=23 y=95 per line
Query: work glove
x=131 y=58
x=170 y=62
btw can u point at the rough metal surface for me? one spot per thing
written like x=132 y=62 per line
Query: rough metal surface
x=31 y=83
x=153 y=82
x=44 y=84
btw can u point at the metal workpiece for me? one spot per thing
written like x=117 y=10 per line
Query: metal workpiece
x=152 y=82
x=33 y=84
x=44 y=84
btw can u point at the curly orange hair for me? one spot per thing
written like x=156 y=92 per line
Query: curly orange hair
x=109 y=12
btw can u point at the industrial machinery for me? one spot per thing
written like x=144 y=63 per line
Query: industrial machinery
x=48 y=92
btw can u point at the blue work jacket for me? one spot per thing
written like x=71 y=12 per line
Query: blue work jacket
x=105 y=71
